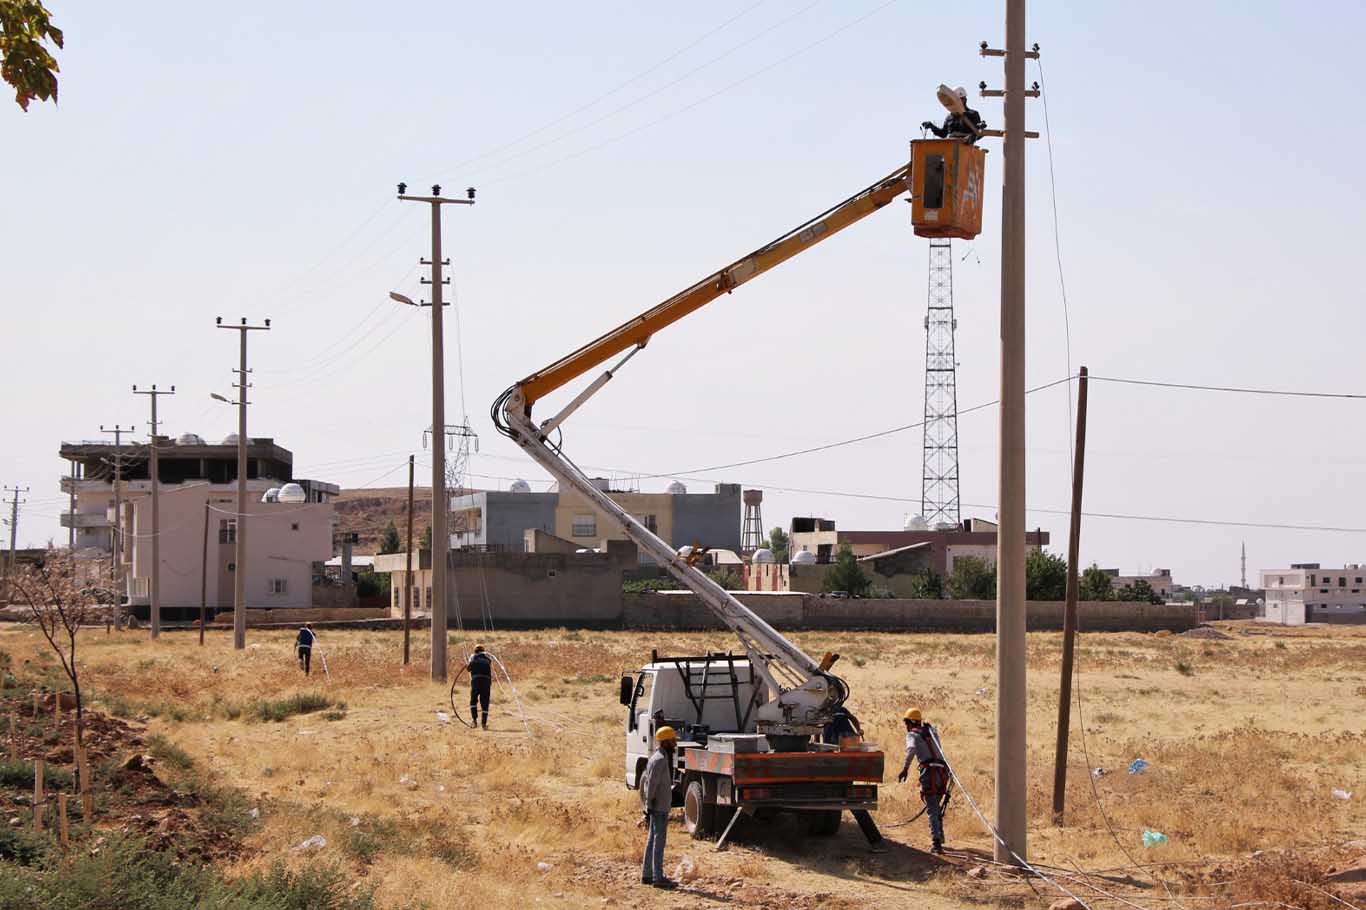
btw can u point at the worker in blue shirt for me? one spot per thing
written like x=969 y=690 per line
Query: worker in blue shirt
x=303 y=646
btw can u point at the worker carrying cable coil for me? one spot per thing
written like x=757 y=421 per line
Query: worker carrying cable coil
x=480 y=668
x=922 y=744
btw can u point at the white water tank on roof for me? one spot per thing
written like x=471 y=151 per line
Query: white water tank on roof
x=189 y=439
x=519 y=486
x=229 y=440
x=292 y=492
x=763 y=557
x=677 y=488
x=916 y=523
x=804 y=558
x=271 y=495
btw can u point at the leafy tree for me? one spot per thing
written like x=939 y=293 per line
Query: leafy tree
x=1095 y=584
x=778 y=543
x=927 y=585
x=389 y=541
x=1140 y=590
x=427 y=537
x=972 y=579
x=847 y=575
x=727 y=579
x=25 y=63
x=1045 y=576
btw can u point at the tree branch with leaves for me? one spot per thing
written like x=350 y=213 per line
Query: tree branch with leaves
x=25 y=62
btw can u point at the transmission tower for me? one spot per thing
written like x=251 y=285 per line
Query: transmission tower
x=939 y=490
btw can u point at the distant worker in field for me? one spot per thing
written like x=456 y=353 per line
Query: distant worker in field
x=922 y=744
x=966 y=124
x=480 y=668
x=656 y=788
x=843 y=724
x=303 y=647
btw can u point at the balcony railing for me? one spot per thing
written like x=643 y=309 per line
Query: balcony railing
x=84 y=520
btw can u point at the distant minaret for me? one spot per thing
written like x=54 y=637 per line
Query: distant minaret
x=1244 y=583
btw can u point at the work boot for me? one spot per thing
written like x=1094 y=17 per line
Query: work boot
x=485 y=723
x=665 y=884
x=474 y=716
x=646 y=881
x=938 y=848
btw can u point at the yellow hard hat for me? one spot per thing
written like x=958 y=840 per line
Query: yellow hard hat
x=914 y=714
x=666 y=734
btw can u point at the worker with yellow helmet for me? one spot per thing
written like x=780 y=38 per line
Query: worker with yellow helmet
x=656 y=789
x=922 y=744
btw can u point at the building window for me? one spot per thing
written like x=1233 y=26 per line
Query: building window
x=227 y=530
x=584 y=526
x=294 y=526
x=1342 y=582
x=650 y=522
x=1323 y=590
x=232 y=567
x=276 y=585
x=429 y=597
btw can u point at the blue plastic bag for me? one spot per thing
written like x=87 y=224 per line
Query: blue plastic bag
x=1153 y=838
x=1138 y=766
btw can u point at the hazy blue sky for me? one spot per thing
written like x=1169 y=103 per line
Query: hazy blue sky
x=209 y=160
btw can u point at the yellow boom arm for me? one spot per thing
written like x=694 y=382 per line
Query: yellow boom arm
x=639 y=330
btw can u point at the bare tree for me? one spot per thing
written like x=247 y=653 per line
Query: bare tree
x=62 y=597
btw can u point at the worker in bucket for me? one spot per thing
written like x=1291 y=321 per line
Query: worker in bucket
x=966 y=124
x=656 y=787
x=842 y=727
x=303 y=646
x=922 y=744
x=480 y=669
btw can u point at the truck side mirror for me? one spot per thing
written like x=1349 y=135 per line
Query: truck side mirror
x=628 y=688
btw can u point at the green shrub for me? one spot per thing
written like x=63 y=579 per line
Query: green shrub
x=18 y=775
x=1184 y=668
x=300 y=703
x=21 y=846
x=168 y=753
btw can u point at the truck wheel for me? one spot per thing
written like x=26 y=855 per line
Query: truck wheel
x=823 y=822
x=699 y=817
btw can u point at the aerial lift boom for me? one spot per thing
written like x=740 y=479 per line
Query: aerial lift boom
x=803 y=694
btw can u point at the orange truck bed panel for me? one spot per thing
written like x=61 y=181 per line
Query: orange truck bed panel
x=785 y=767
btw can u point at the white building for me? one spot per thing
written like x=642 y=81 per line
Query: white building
x=1307 y=592
x=286 y=534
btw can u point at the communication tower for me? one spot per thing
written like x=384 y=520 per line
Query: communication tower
x=939 y=503
x=752 y=530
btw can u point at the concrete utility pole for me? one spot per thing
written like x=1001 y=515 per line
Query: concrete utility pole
x=116 y=532
x=408 y=576
x=1069 y=616
x=14 y=522
x=441 y=539
x=153 y=393
x=1011 y=696
x=204 y=574
x=239 y=586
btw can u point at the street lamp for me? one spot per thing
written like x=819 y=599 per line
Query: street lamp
x=400 y=298
x=216 y=397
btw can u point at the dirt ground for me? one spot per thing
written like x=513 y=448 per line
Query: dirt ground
x=1246 y=738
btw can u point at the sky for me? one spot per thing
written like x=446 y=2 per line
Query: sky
x=204 y=163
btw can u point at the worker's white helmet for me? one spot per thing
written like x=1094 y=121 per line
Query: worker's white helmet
x=962 y=93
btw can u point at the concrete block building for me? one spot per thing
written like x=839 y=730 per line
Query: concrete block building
x=1308 y=592
x=819 y=539
x=289 y=536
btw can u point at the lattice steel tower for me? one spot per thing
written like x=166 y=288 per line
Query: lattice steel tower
x=939 y=489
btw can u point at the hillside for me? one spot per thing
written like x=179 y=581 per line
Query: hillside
x=368 y=511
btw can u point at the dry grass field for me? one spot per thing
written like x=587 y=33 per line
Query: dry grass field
x=1246 y=739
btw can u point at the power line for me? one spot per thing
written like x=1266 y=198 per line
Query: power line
x=1352 y=396
x=609 y=93
x=688 y=107
x=663 y=88
x=844 y=442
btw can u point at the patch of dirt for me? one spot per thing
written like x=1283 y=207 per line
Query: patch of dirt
x=369 y=511
x=132 y=795
x=1206 y=632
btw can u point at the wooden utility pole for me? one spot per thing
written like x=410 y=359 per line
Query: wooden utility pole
x=408 y=575
x=1011 y=696
x=239 y=597
x=1069 y=616
x=153 y=393
x=116 y=530
x=441 y=539
x=204 y=575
